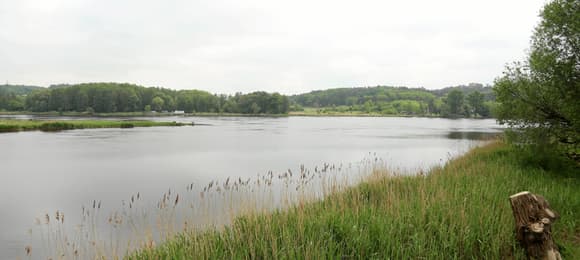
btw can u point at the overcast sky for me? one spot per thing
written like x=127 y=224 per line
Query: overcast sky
x=288 y=46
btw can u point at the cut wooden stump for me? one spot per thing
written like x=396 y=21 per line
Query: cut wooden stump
x=534 y=218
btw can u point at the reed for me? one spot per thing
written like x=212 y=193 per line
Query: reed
x=358 y=210
x=138 y=224
x=456 y=211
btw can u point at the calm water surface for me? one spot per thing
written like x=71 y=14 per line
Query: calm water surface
x=44 y=172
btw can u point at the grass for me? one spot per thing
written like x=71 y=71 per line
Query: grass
x=15 y=125
x=459 y=211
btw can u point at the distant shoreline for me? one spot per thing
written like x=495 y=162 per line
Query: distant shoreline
x=210 y=114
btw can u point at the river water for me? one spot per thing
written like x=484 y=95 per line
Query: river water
x=43 y=172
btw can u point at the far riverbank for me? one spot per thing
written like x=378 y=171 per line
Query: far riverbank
x=309 y=113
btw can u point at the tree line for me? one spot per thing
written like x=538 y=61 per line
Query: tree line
x=12 y=97
x=473 y=100
x=120 y=97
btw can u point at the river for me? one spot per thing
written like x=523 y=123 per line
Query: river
x=47 y=171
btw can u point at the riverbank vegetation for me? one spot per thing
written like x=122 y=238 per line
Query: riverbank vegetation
x=460 y=210
x=473 y=100
x=539 y=97
x=119 y=97
x=15 y=125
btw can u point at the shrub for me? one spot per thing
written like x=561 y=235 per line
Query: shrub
x=127 y=125
x=8 y=128
x=56 y=126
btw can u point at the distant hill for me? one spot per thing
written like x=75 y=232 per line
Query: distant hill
x=358 y=96
x=18 y=89
x=60 y=86
x=458 y=101
x=487 y=91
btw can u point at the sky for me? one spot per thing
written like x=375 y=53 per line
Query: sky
x=276 y=46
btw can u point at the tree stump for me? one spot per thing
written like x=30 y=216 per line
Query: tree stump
x=534 y=218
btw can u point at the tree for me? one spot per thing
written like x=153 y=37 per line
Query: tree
x=540 y=96
x=455 y=102
x=157 y=104
x=255 y=108
x=475 y=100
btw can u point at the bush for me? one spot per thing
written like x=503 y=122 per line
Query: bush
x=8 y=128
x=56 y=126
x=127 y=125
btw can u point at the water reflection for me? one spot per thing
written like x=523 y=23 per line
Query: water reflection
x=45 y=172
x=472 y=135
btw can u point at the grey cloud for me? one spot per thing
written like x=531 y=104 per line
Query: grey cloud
x=285 y=46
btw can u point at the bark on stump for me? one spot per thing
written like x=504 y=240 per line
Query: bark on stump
x=534 y=218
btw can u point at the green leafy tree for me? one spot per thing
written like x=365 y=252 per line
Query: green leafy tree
x=157 y=104
x=16 y=103
x=540 y=97
x=475 y=101
x=90 y=110
x=369 y=106
x=255 y=108
x=454 y=102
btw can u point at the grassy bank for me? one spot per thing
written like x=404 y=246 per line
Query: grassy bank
x=458 y=211
x=15 y=125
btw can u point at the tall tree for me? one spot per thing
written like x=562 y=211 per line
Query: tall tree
x=455 y=102
x=157 y=104
x=541 y=96
x=475 y=100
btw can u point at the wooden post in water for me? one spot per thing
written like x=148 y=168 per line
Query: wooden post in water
x=534 y=218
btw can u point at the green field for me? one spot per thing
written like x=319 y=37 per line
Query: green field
x=15 y=125
x=459 y=211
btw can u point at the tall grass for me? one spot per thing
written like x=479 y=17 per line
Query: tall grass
x=140 y=223
x=458 y=211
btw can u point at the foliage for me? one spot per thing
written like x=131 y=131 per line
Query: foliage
x=126 y=98
x=17 y=89
x=116 y=97
x=476 y=104
x=8 y=128
x=539 y=97
x=56 y=126
x=12 y=96
x=454 y=102
x=487 y=91
x=460 y=211
x=383 y=100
